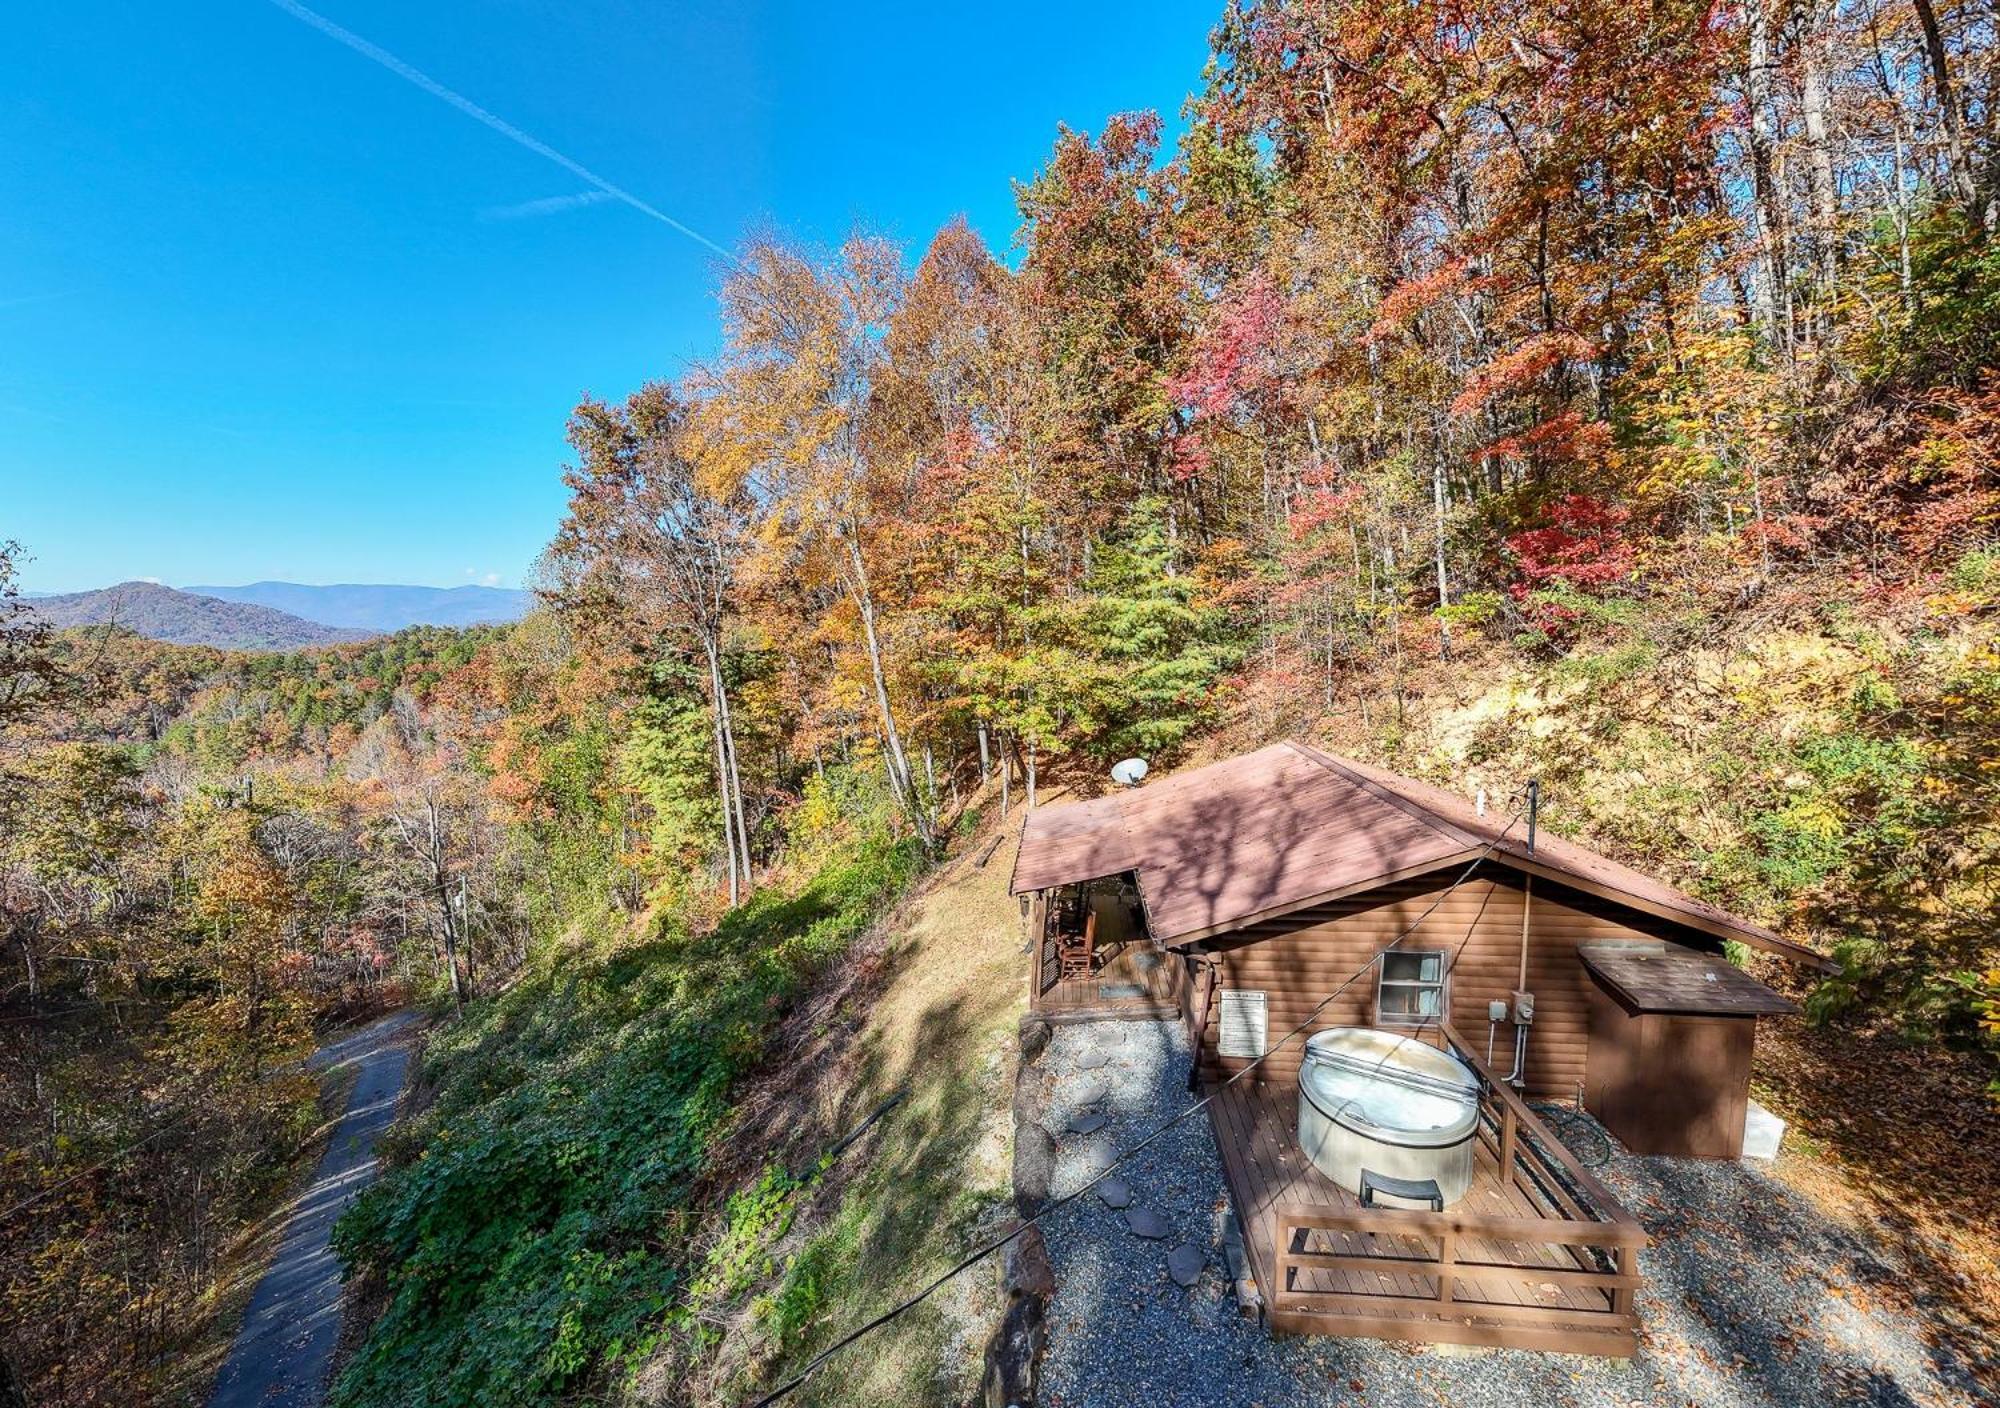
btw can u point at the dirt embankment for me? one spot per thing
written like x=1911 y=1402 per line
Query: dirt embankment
x=873 y=1152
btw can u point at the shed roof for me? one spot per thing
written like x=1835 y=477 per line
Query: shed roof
x=1257 y=836
x=1669 y=978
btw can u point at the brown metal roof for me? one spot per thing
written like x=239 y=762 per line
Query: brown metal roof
x=1259 y=835
x=1669 y=978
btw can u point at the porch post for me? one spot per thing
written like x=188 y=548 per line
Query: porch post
x=1038 y=938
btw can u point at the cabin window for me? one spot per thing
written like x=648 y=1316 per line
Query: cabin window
x=1412 y=987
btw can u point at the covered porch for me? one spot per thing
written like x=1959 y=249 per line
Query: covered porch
x=1538 y=1254
x=1092 y=955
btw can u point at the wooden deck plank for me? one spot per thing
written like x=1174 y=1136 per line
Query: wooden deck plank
x=1158 y=990
x=1385 y=1283
x=1284 y=1166
x=1272 y=1110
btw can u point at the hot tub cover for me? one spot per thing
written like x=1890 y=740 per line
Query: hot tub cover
x=1389 y=1087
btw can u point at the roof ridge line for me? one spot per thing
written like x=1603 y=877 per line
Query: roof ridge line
x=1395 y=799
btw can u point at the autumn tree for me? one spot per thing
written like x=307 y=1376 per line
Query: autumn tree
x=658 y=525
x=805 y=355
x=30 y=669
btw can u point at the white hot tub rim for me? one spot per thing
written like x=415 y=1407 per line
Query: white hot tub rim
x=1456 y=1086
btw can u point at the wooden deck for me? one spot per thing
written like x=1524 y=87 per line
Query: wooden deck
x=1128 y=990
x=1541 y=1257
x=1081 y=1000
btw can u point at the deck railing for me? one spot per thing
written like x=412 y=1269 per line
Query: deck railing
x=1572 y=1267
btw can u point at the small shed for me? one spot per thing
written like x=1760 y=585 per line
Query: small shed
x=1671 y=1035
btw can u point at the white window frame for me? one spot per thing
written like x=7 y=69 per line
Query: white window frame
x=1383 y=982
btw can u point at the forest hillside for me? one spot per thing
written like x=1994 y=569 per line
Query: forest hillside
x=187 y=618
x=382 y=607
x=1598 y=393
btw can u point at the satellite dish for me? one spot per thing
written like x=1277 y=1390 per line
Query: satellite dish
x=1129 y=773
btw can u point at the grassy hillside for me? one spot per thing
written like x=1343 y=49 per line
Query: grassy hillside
x=1826 y=765
x=924 y=1013
x=619 y=1177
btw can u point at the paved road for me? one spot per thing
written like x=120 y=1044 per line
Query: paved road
x=282 y=1354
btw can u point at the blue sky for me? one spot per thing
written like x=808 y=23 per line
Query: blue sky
x=268 y=310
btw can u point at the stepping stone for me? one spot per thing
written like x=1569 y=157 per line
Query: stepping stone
x=1095 y=1092
x=1115 y=1192
x=1184 y=1263
x=1095 y=1157
x=1093 y=1060
x=1087 y=1121
x=1146 y=1223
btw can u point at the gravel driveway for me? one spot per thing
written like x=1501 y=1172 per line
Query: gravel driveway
x=1753 y=1298
x=282 y=1354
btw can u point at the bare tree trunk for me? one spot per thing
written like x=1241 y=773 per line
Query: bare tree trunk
x=1031 y=774
x=1326 y=604
x=1006 y=785
x=1814 y=101
x=985 y=763
x=736 y=789
x=1757 y=507
x=471 y=948
x=26 y=940
x=1960 y=166
x=729 y=779
x=722 y=787
x=451 y=955
x=900 y=780
x=440 y=888
x=1437 y=525
x=1905 y=281
x=1769 y=221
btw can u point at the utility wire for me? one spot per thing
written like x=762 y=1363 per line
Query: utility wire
x=995 y=1245
x=187 y=1111
x=48 y=1012
x=182 y=1118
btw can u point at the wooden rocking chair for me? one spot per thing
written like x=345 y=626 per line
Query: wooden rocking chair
x=1076 y=954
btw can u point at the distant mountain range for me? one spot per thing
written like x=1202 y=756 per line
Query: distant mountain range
x=184 y=618
x=277 y=615
x=382 y=608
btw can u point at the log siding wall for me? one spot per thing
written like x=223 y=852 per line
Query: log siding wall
x=1298 y=959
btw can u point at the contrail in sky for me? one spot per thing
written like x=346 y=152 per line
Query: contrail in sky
x=498 y=124
x=547 y=205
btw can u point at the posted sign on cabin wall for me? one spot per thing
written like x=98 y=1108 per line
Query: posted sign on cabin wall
x=1243 y=1023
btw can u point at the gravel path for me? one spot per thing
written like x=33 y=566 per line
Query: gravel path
x=1753 y=1298
x=282 y=1354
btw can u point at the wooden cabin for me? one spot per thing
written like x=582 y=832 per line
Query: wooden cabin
x=1286 y=891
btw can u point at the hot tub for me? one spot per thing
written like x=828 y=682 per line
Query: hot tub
x=1388 y=1103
